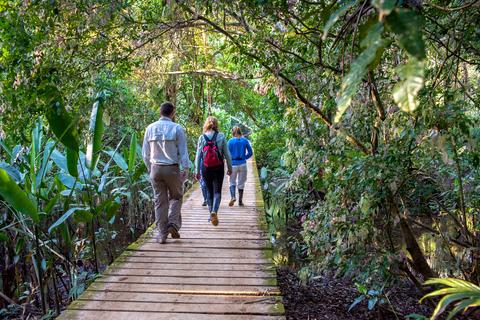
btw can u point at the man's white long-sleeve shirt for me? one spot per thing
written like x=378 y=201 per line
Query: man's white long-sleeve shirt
x=165 y=143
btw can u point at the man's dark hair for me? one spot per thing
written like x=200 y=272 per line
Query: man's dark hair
x=167 y=109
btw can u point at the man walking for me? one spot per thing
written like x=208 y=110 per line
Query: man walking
x=166 y=157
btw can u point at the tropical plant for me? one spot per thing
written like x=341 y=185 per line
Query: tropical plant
x=462 y=294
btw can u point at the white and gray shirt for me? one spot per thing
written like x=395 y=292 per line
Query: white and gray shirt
x=165 y=143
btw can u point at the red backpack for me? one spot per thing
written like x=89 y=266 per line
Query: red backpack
x=210 y=154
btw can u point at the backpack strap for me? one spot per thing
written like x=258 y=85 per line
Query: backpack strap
x=214 y=138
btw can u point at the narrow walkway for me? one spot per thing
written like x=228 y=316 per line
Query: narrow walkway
x=222 y=272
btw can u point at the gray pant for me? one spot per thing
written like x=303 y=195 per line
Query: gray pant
x=239 y=176
x=168 y=193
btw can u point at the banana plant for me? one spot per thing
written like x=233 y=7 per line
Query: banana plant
x=131 y=172
x=31 y=203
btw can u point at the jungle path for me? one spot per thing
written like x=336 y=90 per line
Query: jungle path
x=222 y=272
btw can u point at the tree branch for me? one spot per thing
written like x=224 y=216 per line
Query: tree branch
x=298 y=94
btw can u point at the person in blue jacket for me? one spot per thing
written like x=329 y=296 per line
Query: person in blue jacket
x=240 y=151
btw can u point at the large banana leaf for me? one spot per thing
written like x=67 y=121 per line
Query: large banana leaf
x=95 y=132
x=16 y=197
x=132 y=153
x=46 y=162
x=60 y=122
x=67 y=215
x=68 y=163
x=72 y=162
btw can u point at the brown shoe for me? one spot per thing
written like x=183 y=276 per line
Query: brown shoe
x=214 y=218
x=232 y=202
x=173 y=232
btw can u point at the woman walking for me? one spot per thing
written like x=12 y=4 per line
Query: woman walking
x=212 y=152
x=240 y=151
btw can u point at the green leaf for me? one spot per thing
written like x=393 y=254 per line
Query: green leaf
x=16 y=197
x=3 y=236
x=46 y=163
x=132 y=153
x=69 y=181
x=43 y=264
x=19 y=246
x=65 y=216
x=119 y=160
x=83 y=216
x=464 y=305
x=59 y=160
x=356 y=301
x=372 y=42
x=411 y=81
x=372 y=302
x=12 y=171
x=111 y=210
x=95 y=130
x=49 y=207
x=58 y=118
x=6 y=149
x=384 y=6
x=408 y=25
x=72 y=162
x=263 y=173
x=336 y=15
x=460 y=292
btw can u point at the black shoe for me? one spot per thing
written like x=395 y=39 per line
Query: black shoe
x=204 y=204
x=173 y=232
x=240 y=197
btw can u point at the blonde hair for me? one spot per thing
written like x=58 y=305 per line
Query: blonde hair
x=236 y=131
x=210 y=124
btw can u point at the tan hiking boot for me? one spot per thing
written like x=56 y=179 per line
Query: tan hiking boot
x=214 y=218
x=232 y=202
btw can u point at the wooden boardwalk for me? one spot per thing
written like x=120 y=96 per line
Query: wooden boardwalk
x=222 y=272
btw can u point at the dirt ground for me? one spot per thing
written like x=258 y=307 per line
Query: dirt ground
x=330 y=298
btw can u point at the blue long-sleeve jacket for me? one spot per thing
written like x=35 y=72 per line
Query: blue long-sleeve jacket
x=240 y=150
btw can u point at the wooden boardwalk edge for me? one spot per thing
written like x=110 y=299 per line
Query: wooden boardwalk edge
x=223 y=272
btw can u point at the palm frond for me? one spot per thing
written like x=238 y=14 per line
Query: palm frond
x=462 y=293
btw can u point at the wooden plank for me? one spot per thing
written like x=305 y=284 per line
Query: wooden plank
x=205 y=243
x=211 y=273
x=187 y=288
x=199 y=247
x=218 y=235
x=182 y=273
x=145 y=315
x=195 y=261
x=180 y=298
x=200 y=253
x=177 y=307
x=207 y=281
x=196 y=267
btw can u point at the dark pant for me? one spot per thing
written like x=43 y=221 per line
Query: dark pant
x=213 y=178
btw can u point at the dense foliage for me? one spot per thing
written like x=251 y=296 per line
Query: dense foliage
x=364 y=117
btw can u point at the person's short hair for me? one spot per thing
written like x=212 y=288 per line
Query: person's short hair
x=167 y=109
x=236 y=131
x=210 y=124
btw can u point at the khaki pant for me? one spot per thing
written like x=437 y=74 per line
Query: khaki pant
x=168 y=193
